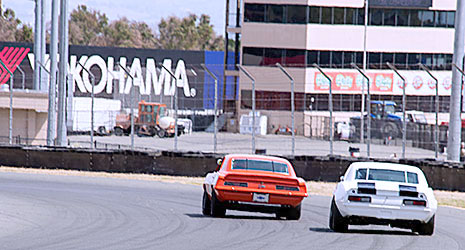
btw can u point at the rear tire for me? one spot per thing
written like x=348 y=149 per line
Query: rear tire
x=280 y=213
x=389 y=129
x=119 y=131
x=217 y=209
x=161 y=133
x=337 y=223
x=426 y=228
x=294 y=212
x=206 y=206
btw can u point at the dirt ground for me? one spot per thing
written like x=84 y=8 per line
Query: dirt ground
x=445 y=198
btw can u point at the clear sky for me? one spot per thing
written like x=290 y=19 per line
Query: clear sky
x=149 y=11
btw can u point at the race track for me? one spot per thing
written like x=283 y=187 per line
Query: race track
x=70 y=212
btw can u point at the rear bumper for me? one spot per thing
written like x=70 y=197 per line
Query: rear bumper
x=247 y=196
x=384 y=212
x=360 y=220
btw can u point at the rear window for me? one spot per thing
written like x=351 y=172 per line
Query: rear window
x=386 y=175
x=361 y=174
x=412 y=178
x=259 y=165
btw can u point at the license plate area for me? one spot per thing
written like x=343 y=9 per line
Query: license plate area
x=263 y=198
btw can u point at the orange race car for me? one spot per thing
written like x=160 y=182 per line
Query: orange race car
x=254 y=183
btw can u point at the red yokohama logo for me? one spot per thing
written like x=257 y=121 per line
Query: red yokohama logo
x=11 y=57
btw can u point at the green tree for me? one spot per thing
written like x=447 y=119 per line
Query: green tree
x=188 y=33
x=87 y=27
x=123 y=33
x=25 y=34
x=12 y=29
x=91 y=27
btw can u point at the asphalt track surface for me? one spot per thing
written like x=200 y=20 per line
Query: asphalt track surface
x=69 y=212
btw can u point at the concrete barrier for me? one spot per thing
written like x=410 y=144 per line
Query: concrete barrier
x=440 y=175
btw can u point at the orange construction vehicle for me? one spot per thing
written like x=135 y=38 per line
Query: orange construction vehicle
x=153 y=120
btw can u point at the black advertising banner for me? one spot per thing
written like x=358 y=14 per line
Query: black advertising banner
x=151 y=82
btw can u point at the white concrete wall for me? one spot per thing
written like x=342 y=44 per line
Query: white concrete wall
x=379 y=38
x=273 y=79
x=332 y=3
x=29 y=116
x=348 y=38
x=437 y=4
x=274 y=35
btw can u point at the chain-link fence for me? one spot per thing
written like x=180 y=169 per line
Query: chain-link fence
x=280 y=111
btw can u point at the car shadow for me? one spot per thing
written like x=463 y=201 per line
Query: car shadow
x=240 y=217
x=364 y=231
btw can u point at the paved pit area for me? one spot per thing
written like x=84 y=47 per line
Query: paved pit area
x=239 y=143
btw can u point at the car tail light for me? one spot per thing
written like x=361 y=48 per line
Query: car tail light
x=354 y=198
x=415 y=203
x=236 y=184
x=279 y=187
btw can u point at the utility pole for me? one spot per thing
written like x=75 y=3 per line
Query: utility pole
x=362 y=122
x=43 y=45
x=37 y=44
x=453 y=140
x=226 y=54
x=51 y=122
x=63 y=72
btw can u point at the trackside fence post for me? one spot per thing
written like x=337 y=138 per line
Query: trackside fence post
x=404 y=103
x=23 y=77
x=330 y=105
x=368 y=106
x=131 y=103
x=292 y=107
x=215 y=107
x=253 y=104
x=436 y=100
x=175 y=106
x=91 y=105
x=10 y=119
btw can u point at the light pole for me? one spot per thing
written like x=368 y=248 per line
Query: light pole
x=454 y=138
x=362 y=123
x=51 y=125
x=37 y=43
x=43 y=45
x=63 y=71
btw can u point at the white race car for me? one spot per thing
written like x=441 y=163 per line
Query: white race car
x=383 y=194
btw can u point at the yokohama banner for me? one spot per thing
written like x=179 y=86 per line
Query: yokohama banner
x=151 y=81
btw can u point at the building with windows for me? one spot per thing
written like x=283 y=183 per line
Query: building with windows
x=331 y=33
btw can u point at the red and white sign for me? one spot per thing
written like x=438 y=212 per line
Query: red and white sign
x=382 y=82
x=352 y=81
